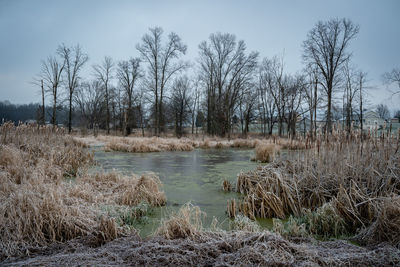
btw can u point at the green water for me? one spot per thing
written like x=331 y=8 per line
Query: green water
x=194 y=176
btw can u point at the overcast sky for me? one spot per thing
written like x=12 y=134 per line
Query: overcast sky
x=31 y=30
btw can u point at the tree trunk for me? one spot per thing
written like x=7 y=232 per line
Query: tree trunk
x=54 y=118
x=43 y=121
x=70 y=113
x=107 y=113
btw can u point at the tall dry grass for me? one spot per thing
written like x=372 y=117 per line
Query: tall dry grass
x=145 y=144
x=265 y=152
x=187 y=222
x=359 y=178
x=138 y=144
x=39 y=206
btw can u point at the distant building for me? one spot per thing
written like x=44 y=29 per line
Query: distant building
x=394 y=120
x=371 y=120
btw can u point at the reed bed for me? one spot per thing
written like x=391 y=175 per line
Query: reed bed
x=47 y=196
x=343 y=177
x=144 y=144
x=137 y=144
x=159 y=144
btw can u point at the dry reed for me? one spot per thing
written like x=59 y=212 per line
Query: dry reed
x=144 y=144
x=187 y=222
x=226 y=186
x=359 y=178
x=39 y=206
x=266 y=152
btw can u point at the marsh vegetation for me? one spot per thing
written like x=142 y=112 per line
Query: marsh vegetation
x=336 y=188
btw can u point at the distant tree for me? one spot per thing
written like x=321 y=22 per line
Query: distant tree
x=247 y=107
x=200 y=119
x=162 y=66
x=128 y=73
x=225 y=69
x=285 y=90
x=326 y=46
x=383 y=111
x=312 y=97
x=41 y=114
x=397 y=114
x=351 y=87
x=74 y=60
x=195 y=96
x=393 y=77
x=103 y=73
x=181 y=103
x=89 y=98
x=361 y=80
x=296 y=86
x=52 y=69
x=17 y=113
x=267 y=101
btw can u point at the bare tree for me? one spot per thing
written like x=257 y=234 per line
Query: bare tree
x=39 y=82
x=225 y=69
x=393 y=77
x=397 y=114
x=180 y=103
x=162 y=66
x=194 y=108
x=103 y=73
x=276 y=83
x=326 y=46
x=247 y=107
x=383 y=111
x=89 y=97
x=74 y=60
x=52 y=69
x=351 y=87
x=43 y=115
x=128 y=73
x=312 y=100
x=295 y=87
x=361 y=88
x=267 y=105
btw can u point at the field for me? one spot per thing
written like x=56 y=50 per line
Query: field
x=328 y=192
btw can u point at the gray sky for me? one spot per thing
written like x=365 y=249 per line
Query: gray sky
x=31 y=30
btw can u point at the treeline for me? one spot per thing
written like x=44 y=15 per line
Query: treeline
x=225 y=87
x=29 y=113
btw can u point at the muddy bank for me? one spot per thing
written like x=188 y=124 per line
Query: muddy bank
x=217 y=249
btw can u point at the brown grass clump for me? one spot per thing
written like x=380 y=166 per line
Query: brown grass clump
x=386 y=225
x=244 y=143
x=39 y=206
x=231 y=209
x=113 y=188
x=355 y=177
x=266 y=152
x=291 y=144
x=187 y=222
x=226 y=186
x=147 y=189
x=145 y=144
